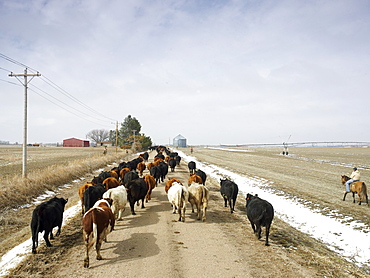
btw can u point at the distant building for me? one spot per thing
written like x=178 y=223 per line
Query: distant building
x=74 y=142
x=179 y=141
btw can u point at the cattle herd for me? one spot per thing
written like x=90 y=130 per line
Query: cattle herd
x=104 y=199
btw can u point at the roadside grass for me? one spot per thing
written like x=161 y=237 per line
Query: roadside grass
x=16 y=191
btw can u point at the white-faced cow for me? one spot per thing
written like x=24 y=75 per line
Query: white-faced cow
x=45 y=217
x=260 y=213
x=97 y=223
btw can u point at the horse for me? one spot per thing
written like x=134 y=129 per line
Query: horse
x=358 y=187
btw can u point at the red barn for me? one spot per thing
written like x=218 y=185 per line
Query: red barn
x=74 y=142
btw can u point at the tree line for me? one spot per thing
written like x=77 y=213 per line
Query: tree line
x=127 y=136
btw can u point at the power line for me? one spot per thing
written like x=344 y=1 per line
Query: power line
x=64 y=92
x=81 y=112
x=60 y=90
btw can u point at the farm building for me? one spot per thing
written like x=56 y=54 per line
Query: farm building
x=179 y=141
x=74 y=142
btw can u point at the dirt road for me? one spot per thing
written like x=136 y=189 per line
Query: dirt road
x=154 y=244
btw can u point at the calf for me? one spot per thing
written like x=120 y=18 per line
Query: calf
x=229 y=191
x=93 y=194
x=119 y=197
x=136 y=191
x=45 y=217
x=150 y=183
x=199 y=196
x=260 y=213
x=194 y=178
x=97 y=223
x=178 y=195
x=192 y=166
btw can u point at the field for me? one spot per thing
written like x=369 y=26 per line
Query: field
x=227 y=242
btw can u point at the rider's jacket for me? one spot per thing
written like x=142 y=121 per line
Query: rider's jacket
x=355 y=175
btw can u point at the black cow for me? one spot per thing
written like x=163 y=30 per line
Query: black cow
x=93 y=194
x=163 y=166
x=260 y=213
x=145 y=156
x=172 y=163
x=192 y=166
x=132 y=175
x=155 y=171
x=178 y=159
x=136 y=191
x=201 y=174
x=45 y=217
x=133 y=163
x=229 y=191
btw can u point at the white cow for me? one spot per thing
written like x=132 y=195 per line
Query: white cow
x=178 y=196
x=119 y=197
x=199 y=196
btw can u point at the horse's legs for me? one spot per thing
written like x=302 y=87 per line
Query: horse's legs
x=353 y=196
x=359 y=197
x=344 y=197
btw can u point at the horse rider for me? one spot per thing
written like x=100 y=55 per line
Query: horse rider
x=355 y=176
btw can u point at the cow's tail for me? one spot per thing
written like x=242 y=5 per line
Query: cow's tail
x=35 y=232
x=205 y=195
x=95 y=226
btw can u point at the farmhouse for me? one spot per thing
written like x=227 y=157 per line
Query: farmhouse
x=74 y=142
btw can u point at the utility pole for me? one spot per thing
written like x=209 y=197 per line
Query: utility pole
x=116 y=136
x=25 y=83
x=134 y=140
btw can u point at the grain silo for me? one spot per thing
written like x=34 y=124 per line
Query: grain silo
x=179 y=141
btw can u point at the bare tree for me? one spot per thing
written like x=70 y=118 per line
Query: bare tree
x=98 y=135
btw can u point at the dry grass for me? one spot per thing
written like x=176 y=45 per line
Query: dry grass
x=48 y=168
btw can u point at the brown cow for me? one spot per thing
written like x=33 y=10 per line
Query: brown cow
x=151 y=184
x=194 y=178
x=150 y=165
x=141 y=167
x=113 y=174
x=110 y=183
x=97 y=223
x=123 y=172
x=81 y=192
x=169 y=184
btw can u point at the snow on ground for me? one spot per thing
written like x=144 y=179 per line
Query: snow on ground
x=349 y=239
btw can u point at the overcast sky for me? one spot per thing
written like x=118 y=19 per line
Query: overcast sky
x=216 y=72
